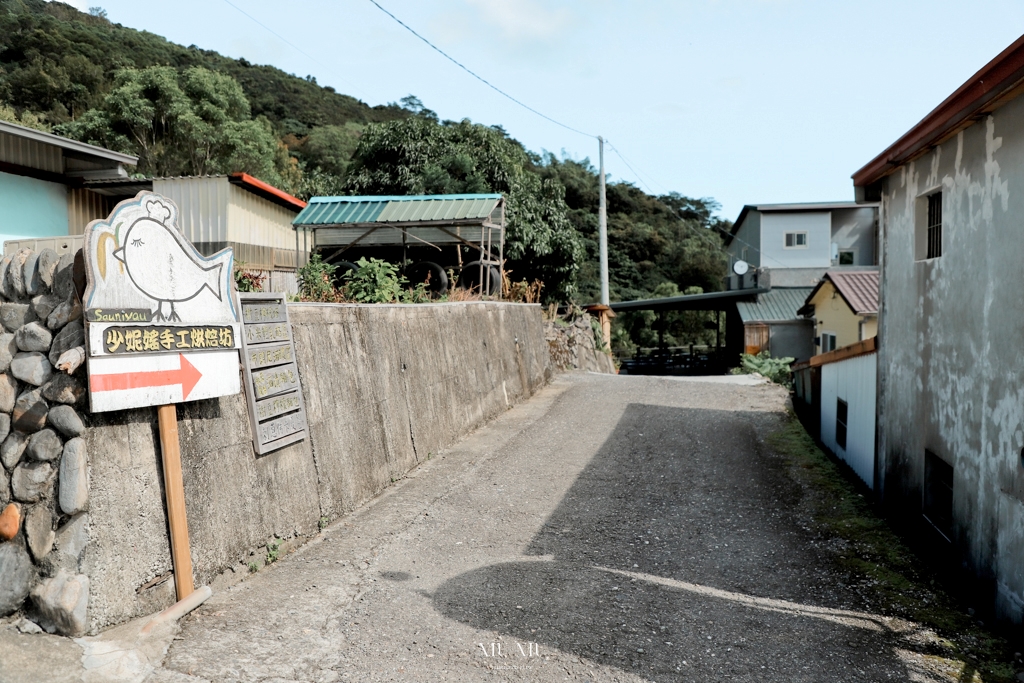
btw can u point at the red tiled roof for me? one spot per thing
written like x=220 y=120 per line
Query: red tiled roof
x=858 y=288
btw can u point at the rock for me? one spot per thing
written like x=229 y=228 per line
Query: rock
x=5 y=289
x=5 y=488
x=44 y=446
x=15 y=316
x=71 y=360
x=43 y=305
x=28 y=627
x=18 y=572
x=71 y=336
x=5 y=426
x=39 y=531
x=63 y=314
x=10 y=521
x=30 y=274
x=66 y=420
x=30 y=411
x=31 y=367
x=8 y=348
x=61 y=603
x=8 y=392
x=64 y=276
x=31 y=481
x=16 y=273
x=11 y=449
x=63 y=389
x=48 y=260
x=74 y=477
x=33 y=337
x=72 y=538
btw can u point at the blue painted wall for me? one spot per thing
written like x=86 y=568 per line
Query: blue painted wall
x=31 y=208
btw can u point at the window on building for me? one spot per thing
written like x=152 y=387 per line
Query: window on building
x=796 y=240
x=937 y=503
x=828 y=342
x=934 y=225
x=846 y=257
x=842 y=412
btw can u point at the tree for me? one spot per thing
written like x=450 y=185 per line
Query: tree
x=421 y=156
x=189 y=122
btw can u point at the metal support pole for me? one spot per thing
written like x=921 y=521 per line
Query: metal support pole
x=602 y=221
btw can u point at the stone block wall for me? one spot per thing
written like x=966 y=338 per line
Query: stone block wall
x=385 y=387
x=44 y=479
x=571 y=346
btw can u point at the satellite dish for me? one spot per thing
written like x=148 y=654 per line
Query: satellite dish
x=740 y=267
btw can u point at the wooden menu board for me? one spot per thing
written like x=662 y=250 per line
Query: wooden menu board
x=277 y=411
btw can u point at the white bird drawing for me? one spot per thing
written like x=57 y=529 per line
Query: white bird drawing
x=161 y=267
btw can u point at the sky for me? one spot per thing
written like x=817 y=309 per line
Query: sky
x=743 y=101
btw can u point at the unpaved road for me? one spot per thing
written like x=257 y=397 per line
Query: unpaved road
x=610 y=529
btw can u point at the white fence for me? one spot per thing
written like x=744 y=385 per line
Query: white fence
x=852 y=382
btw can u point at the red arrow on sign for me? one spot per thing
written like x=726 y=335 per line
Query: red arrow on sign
x=186 y=375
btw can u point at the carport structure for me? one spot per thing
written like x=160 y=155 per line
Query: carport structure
x=335 y=225
x=718 y=302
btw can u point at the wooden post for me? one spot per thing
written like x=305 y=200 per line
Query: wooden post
x=174 y=490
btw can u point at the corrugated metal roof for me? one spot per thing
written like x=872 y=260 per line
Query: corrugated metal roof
x=858 y=288
x=778 y=304
x=414 y=208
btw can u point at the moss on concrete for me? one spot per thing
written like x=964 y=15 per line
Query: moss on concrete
x=889 y=577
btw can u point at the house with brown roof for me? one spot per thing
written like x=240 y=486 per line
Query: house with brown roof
x=950 y=434
x=844 y=309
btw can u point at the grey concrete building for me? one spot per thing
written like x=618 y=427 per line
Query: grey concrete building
x=794 y=244
x=951 y=366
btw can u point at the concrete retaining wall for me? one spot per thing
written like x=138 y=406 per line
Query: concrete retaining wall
x=385 y=387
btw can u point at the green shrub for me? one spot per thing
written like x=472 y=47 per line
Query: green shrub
x=774 y=369
x=316 y=280
x=374 y=282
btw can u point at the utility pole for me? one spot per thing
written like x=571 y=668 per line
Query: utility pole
x=602 y=221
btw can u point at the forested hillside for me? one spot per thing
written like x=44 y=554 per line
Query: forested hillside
x=184 y=110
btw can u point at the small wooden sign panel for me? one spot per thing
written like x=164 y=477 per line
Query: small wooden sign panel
x=161 y=322
x=277 y=411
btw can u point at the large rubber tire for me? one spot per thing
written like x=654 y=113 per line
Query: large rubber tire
x=419 y=272
x=470 y=278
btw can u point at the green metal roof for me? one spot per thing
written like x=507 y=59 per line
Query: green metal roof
x=778 y=304
x=410 y=209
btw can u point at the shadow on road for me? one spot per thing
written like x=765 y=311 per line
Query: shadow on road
x=680 y=552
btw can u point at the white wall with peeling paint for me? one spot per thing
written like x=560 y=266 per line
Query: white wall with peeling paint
x=951 y=366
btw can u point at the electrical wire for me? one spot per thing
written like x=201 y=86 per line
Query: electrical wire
x=635 y=172
x=476 y=76
x=288 y=42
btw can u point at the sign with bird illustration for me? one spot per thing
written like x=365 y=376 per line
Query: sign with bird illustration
x=163 y=325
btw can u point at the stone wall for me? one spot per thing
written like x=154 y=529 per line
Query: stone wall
x=571 y=346
x=385 y=387
x=44 y=488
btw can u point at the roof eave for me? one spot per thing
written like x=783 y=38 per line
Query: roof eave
x=992 y=86
x=267 y=191
x=73 y=146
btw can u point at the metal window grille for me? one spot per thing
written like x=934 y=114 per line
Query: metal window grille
x=842 y=413
x=934 y=225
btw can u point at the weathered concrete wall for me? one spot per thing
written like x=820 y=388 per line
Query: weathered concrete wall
x=385 y=386
x=951 y=378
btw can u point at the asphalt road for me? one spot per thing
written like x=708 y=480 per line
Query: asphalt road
x=610 y=529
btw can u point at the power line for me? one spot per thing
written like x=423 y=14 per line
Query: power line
x=635 y=172
x=476 y=76
x=289 y=43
